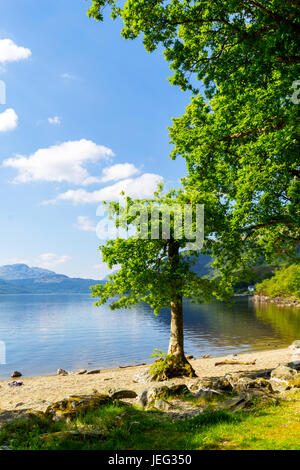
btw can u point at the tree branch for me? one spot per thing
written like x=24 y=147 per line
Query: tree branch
x=275 y=17
x=254 y=131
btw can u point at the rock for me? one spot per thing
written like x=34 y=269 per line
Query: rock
x=236 y=403
x=245 y=383
x=143 y=377
x=295 y=344
x=294 y=383
x=142 y=399
x=67 y=408
x=81 y=372
x=207 y=392
x=206 y=356
x=62 y=372
x=162 y=405
x=200 y=384
x=16 y=374
x=5 y=448
x=7 y=417
x=278 y=385
x=283 y=372
x=95 y=371
x=219 y=383
x=294 y=365
x=118 y=394
x=245 y=400
x=177 y=390
x=157 y=392
x=233 y=377
x=149 y=395
x=190 y=356
x=222 y=384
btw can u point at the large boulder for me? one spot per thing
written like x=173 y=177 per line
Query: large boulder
x=143 y=377
x=200 y=384
x=246 y=383
x=69 y=407
x=283 y=372
x=7 y=417
x=150 y=395
x=247 y=399
x=219 y=384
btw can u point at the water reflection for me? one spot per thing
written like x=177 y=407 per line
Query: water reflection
x=44 y=332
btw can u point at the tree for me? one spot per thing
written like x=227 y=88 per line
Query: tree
x=239 y=135
x=154 y=267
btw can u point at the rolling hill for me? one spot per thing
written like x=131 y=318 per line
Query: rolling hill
x=22 y=279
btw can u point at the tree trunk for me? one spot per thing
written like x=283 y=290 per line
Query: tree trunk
x=176 y=344
x=176 y=364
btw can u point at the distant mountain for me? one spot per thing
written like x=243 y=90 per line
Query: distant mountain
x=203 y=266
x=12 y=272
x=22 y=279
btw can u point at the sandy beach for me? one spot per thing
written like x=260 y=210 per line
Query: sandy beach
x=38 y=392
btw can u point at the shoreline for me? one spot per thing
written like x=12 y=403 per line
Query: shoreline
x=38 y=392
x=279 y=301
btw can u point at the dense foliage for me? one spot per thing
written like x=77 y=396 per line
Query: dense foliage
x=285 y=283
x=239 y=134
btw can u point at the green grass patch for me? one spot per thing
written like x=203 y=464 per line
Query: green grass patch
x=120 y=427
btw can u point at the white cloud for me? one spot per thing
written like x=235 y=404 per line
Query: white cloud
x=68 y=76
x=10 y=52
x=85 y=224
x=46 y=260
x=8 y=120
x=51 y=260
x=141 y=187
x=55 y=121
x=119 y=172
x=63 y=162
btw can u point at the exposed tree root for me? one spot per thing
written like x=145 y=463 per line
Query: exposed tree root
x=170 y=367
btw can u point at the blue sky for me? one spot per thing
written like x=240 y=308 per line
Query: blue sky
x=86 y=115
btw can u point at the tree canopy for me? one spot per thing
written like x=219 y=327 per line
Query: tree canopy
x=239 y=135
x=144 y=272
x=154 y=267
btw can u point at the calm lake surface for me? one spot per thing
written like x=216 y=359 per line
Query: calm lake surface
x=44 y=332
